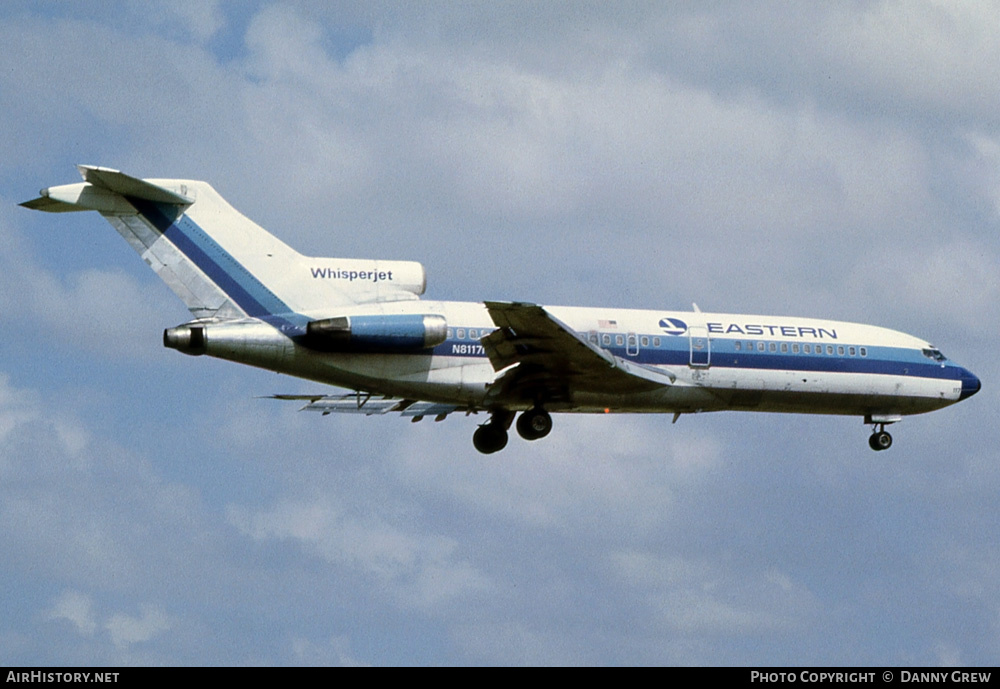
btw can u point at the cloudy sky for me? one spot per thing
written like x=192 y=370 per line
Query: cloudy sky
x=836 y=159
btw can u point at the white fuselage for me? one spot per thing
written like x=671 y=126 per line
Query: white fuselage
x=720 y=362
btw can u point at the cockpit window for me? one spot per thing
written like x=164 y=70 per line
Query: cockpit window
x=934 y=353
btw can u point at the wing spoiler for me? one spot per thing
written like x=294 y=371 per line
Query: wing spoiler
x=528 y=336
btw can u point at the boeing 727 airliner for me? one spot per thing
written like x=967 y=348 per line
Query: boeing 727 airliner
x=360 y=325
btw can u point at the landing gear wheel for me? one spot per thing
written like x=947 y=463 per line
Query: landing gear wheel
x=880 y=440
x=534 y=424
x=489 y=438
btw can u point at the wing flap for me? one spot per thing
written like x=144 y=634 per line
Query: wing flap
x=541 y=356
x=362 y=403
x=527 y=332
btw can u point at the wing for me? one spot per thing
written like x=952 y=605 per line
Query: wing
x=546 y=359
x=364 y=403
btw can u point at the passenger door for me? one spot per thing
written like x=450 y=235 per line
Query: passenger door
x=701 y=347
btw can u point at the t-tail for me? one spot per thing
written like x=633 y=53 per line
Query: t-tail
x=220 y=263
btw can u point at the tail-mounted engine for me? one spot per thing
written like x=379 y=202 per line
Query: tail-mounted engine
x=242 y=340
x=187 y=339
x=383 y=333
x=257 y=340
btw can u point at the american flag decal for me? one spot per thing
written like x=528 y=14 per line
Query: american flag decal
x=607 y=324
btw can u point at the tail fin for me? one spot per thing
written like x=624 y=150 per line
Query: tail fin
x=220 y=263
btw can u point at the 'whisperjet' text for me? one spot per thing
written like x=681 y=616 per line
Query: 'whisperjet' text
x=352 y=275
x=773 y=330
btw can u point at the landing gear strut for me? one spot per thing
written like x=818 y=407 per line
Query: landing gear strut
x=880 y=439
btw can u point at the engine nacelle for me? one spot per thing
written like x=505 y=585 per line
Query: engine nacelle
x=384 y=333
x=245 y=340
x=187 y=339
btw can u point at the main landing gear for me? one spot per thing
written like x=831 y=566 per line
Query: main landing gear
x=491 y=437
x=880 y=439
x=534 y=424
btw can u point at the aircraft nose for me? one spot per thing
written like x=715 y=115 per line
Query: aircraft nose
x=970 y=384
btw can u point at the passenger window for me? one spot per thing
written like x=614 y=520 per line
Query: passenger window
x=850 y=350
x=840 y=350
x=593 y=338
x=795 y=348
x=451 y=333
x=473 y=334
x=461 y=333
x=606 y=340
x=619 y=340
x=864 y=351
x=739 y=345
x=644 y=341
x=760 y=346
x=773 y=347
x=808 y=349
x=784 y=348
x=829 y=350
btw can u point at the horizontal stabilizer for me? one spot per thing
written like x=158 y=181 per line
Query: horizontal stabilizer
x=103 y=190
x=120 y=183
x=51 y=205
x=82 y=196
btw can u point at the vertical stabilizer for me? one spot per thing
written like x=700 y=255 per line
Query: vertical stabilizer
x=221 y=263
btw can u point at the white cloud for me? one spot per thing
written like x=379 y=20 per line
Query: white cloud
x=947 y=285
x=934 y=54
x=202 y=19
x=107 y=311
x=16 y=407
x=913 y=62
x=126 y=630
x=336 y=653
x=986 y=168
x=122 y=630
x=78 y=609
x=697 y=597
x=419 y=569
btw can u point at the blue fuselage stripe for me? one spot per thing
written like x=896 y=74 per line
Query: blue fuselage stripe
x=896 y=361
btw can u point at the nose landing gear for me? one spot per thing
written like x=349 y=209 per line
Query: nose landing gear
x=880 y=439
